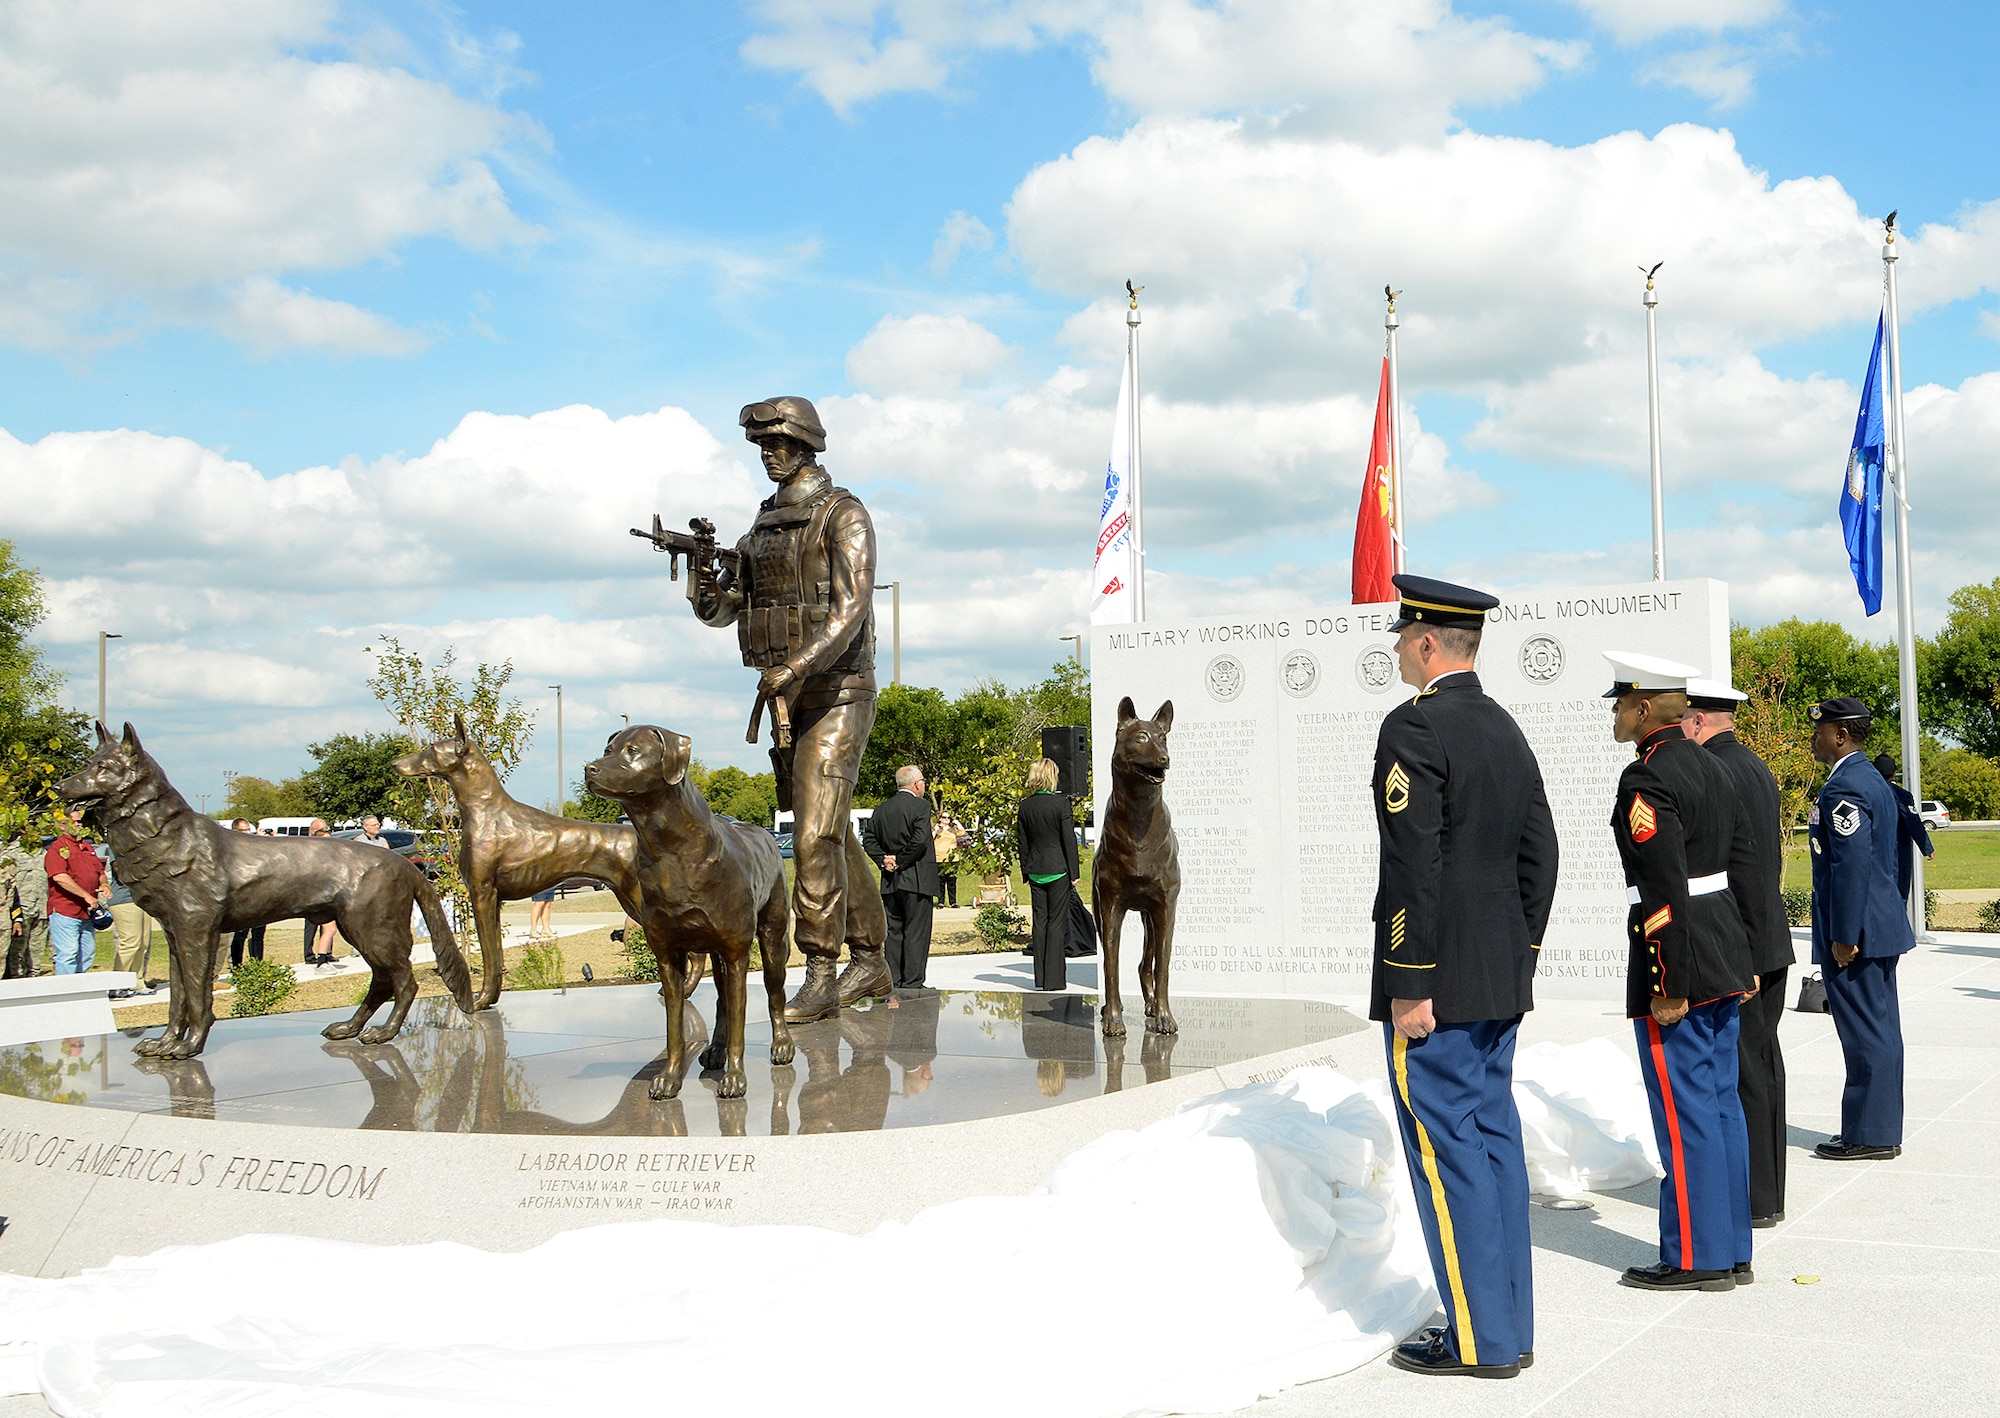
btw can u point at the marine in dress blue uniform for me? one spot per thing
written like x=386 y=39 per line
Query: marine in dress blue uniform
x=1468 y=875
x=1860 y=929
x=1688 y=969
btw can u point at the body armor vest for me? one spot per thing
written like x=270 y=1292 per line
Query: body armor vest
x=790 y=589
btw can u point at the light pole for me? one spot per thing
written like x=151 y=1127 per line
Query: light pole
x=895 y=631
x=102 y=636
x=1077 y=642
x=562 y=789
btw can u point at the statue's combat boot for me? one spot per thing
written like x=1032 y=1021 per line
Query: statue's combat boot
x=866 y=975
x=819 y=996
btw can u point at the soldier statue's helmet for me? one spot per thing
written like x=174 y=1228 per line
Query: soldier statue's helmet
x=792 y=416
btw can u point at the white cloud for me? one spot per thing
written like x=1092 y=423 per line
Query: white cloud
x=959 y=234
x=169 y=162
x=926 y=354
x=1633 y=21
x=1719 y=73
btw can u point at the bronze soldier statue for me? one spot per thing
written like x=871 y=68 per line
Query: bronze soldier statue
x=799 y=588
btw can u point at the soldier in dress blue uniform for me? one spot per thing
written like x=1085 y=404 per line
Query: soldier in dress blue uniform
x=1468 y=875
x=1911 y=834
x=1690 y=966
x=1859 y=931
x=1756 y=880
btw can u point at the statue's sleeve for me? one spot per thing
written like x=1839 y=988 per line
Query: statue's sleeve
x=850 y=569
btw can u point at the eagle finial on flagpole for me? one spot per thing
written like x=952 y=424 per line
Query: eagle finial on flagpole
x=1133 y=291
x=1889 y=228
x=1650 y=274
x=1391 y=295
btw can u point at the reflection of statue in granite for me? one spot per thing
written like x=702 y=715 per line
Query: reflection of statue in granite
x=508 y=851
x=707 y=884
x=799 y=588
x=913 y=1038
x=1137 y=867
x=1056 y=1031
x=855 y=1099
x=190 y=1092
x=391 y=1083
x=198 y=879
x=1156 y=1058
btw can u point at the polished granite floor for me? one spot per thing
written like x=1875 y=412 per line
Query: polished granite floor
x=580 y=1062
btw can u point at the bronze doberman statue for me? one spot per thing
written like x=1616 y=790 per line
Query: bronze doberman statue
x=198 y=879
x=707 y=885
x=508 y=851
x=1138 y=865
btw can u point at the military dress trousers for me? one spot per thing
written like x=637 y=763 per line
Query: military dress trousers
x=1468 y=875
x=1675 y=825
x=1854 y=837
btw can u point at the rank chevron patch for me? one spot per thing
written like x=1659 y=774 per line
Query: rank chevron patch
x=1641 y=820
x=1846 y=818
x=1396 y=788
x=1660 y=919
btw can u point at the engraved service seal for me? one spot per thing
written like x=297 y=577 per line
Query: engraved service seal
x=1375 y=669
x=1541 y=659
x=1300 y=674
x=1224 y=677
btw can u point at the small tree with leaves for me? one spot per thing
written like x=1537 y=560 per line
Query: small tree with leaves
x=1779 y=732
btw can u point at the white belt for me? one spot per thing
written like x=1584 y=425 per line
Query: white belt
x=1697 y=886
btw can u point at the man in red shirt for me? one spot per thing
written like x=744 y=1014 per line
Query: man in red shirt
x=76 y=888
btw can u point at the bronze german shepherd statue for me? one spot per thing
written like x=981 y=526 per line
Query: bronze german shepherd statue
x=198 y=879
x=508 y=851
x=1138 y=866
x=707 y=885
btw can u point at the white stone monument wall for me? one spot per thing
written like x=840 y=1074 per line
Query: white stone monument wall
x=1273 y=745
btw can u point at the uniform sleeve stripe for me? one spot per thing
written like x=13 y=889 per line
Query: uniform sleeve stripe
x=1401 y=966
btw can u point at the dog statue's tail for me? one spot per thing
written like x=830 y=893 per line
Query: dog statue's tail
x=451 y=965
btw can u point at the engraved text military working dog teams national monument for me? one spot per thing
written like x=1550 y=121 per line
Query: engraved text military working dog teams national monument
x=1274 y=739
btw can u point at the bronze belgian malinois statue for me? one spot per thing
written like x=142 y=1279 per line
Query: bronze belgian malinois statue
x=1138 y=865
x=508 y=851
x=198 y=879
x=707 y=885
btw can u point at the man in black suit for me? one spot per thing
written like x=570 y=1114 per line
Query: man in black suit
x=1756 y=880
x=899 y=839
x=1468 y=876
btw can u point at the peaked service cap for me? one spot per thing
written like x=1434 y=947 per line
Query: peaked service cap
x=1632 y=671
x=1439 y=603
x=1714 y=695
x=1840 y=711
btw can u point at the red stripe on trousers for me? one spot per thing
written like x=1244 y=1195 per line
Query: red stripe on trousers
x=1674 y=1136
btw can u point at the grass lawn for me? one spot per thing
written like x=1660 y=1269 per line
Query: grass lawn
x=1968 y=858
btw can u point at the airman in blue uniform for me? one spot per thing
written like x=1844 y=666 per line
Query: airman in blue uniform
x=1859 y=931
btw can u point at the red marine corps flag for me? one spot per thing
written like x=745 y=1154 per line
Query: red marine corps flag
x=1375 y=523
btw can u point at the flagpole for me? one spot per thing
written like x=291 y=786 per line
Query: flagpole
x=1652 y=304
x=1906 y=618
x=1138 y=517
x=1389 y=323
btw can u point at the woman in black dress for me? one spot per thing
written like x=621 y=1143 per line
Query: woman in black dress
x=1048 y=862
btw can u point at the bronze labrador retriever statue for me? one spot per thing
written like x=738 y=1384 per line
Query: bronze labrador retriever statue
x=508 y=851
x=707 y=885
x=198 y=879
x=1138 y=865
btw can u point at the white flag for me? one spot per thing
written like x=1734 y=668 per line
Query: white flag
x=1111 y=601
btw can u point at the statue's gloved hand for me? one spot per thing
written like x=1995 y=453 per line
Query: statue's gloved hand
x=773 y=681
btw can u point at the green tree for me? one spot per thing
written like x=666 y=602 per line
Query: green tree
x=913 y=724
x=586 y=806
x=1825 y=661
x=40 y=741
x=259 y=798
x=1964 y=781
x=355 y=774
x=1774 y=725
x=1960 y=671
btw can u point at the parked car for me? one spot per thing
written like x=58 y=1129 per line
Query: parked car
x=400 y=840
x=784 y=844
x=1934 y=814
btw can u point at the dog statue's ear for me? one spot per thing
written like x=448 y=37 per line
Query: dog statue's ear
x=680 y=752
x=103 y=734
x=458 y=725
x=1126 y=713
x=131 y=738
x=1164 y=716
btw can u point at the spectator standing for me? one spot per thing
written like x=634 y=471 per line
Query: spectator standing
x=899 y=839
x=371 y=831
x=320 y=938
x=541 y=906
x=1047 y=842
x=254 y=936
x=944 y=846
x=28 y=946
x=76 y=889
x=131 y=928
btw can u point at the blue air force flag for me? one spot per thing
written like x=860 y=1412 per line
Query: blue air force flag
x=1861 y=493
x=1112 y=574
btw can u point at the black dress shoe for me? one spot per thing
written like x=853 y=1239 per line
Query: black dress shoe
x=1672 y=1277
x=1837 y=1151
x=1765 y=1223
x=1430 y=1353
x=1528 y=1360
x=1743 y=1274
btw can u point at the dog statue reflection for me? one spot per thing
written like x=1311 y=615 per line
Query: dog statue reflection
x=199 y=880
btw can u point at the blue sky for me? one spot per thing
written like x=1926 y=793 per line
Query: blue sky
x=291 y=294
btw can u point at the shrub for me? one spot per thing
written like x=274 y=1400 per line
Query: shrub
x=1930 y=905
x=541 y=968
x=1798 y=905
x=996 y=921
x=261 y=986
x=640 y=963
x=1989 y=916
